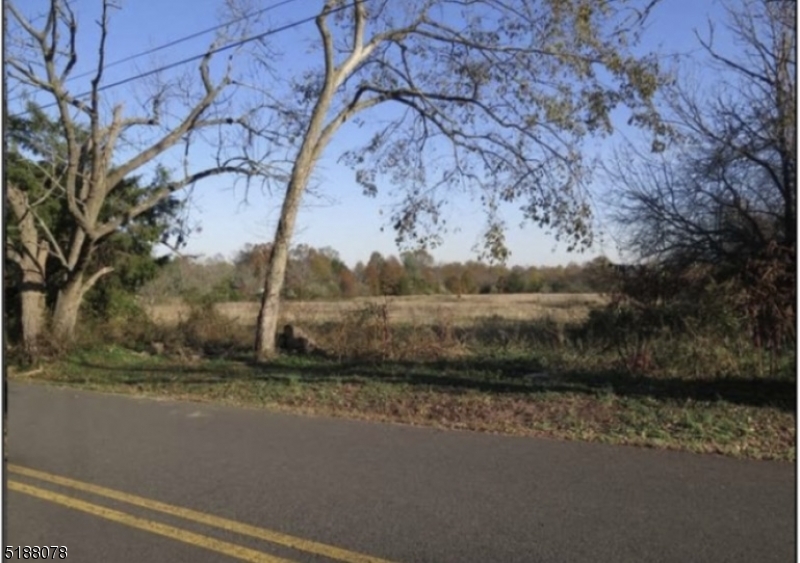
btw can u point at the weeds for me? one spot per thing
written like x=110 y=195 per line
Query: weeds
x=658 y=344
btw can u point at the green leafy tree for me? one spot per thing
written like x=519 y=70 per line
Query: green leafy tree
x=127 y=253
x=418 y=265
x=514 y=282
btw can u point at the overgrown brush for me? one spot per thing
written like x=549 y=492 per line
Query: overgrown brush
x=207 y=331
x=369 y=333
x=652 y=326
x=202 y=332
x=660 y=322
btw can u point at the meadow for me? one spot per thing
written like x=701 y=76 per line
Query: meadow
x=461 y=311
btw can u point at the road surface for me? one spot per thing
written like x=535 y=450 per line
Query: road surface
x=125 y=479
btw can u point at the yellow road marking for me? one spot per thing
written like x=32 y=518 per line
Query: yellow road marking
x=301 y=544
x=171 y=532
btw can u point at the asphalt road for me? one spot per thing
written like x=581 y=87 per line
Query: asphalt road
x=251 y=485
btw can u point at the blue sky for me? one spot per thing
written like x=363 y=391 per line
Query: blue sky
x=345 y=219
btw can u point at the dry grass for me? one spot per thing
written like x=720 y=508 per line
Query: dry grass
x=415 y=309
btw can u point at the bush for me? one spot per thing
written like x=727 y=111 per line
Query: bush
x=208 y=331
x=369 y=334
x=677 y=324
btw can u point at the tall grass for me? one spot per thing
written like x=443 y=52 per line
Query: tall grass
x=605 y=339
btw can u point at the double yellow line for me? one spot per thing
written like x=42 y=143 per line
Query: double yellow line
x=226 y=548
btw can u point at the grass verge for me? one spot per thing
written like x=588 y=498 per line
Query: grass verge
x=747 y=418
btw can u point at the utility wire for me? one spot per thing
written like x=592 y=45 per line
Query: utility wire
x=174 y=42
x=210 y=52
x=187 y=37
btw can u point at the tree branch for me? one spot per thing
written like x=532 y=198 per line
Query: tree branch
x=173 y=136
x=159 y=195
x=89 y=284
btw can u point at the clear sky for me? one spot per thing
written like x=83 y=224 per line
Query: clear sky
x=345 y=219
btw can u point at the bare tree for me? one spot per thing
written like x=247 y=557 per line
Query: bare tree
x=487 y=97
x=85 y=164
x=727 y=188
x=724 y=195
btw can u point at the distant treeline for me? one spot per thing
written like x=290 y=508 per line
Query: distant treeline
x=319 y=273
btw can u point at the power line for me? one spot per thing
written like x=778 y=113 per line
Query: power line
x=210 y=52
x=174 y=42
x=187 y=37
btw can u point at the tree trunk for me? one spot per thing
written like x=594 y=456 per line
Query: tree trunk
x=30 y=255
x=33 y=309
x=276 y=268
x=33 y=313
x=313 y=144
x=68 y=304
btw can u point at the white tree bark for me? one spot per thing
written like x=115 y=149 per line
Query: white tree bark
x=512 y=90
x=82 y=154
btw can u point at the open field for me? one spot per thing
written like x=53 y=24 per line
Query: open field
x=414 y=309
